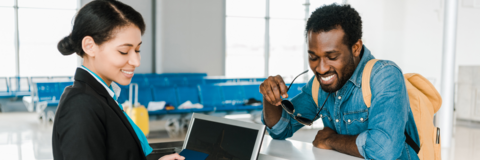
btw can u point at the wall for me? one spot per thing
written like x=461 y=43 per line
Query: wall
x=407 y=32
x=468 y=33
x=410 y=33
x=145 y=8
x=190 y=36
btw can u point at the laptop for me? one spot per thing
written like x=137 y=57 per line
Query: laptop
x=224 y=139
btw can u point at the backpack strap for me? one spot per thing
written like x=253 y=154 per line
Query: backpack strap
x=367 y=98
x=412 y=143
x=315 y=88
x=367 y=93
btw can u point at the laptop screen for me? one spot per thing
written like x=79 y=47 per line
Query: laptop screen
x=222 y=141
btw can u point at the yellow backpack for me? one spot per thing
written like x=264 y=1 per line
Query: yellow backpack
x=425 y=101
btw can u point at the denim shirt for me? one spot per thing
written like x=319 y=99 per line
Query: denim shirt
x=380 y=128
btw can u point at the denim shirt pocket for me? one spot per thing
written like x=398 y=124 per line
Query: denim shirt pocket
x=324 y=115
x=356 y=121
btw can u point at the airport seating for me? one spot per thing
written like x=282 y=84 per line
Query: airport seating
x=164 y=93
x=50 y=92
x=19 y=86
x=214 y=80
x=233 y=97
x=222 y=95
x=23 y=86
x=295 y=89
x=189 y=93
x=253 y=91
x=4 y=88
x=211 y=96
x=47 y=96
x=124 y=94
x=145 y=94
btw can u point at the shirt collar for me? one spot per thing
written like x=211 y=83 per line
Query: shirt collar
x=366 y=56
x=112 y=90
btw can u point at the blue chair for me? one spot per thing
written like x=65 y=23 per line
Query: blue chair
x=183 y=79
x=150 y=75
x=211 y=97
x=295 y=89
x=195 y=80
x=192 y=93
x=177 y=81
x=124 y=93
x=20 y=86
x=164 y=93
x=214 y=81
x=4 y=88
x=186 y=78
x=145 y=94
x=48 y=92
x=48 y=95
x=139 y=79
x=61 y=88
x=252 y=91
x=158 y=81
x=186 y=93
x=233 y=97
x=149 y=79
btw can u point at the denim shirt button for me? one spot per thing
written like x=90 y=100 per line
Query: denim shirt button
x=339 y=97
x=348 y=120
x=336 y=120
x=361 y=119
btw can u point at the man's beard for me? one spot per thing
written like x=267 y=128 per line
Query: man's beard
x=347 y=73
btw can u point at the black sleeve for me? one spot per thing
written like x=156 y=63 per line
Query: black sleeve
x=80 y=129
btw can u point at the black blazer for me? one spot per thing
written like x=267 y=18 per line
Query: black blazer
x=90 y=125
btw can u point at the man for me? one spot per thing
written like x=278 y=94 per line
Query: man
x=337 y=57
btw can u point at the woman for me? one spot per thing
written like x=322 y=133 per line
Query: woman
x=90 y=123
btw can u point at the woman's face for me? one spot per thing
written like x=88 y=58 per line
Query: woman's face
x=117 y=58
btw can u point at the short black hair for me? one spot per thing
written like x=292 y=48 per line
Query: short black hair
x=99 y=19
x=328 y=17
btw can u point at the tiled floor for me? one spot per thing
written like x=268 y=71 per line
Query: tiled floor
x=24 y=137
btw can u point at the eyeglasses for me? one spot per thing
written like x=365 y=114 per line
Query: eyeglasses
x=288 y=107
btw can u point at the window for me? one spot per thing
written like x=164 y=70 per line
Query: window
x=287 y=40
x=269 y=29
x=41 y=24
x=245 y=40
x=7 y=39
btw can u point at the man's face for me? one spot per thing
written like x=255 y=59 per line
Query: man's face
x=330 y=59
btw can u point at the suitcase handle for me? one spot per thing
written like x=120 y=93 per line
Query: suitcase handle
x=130 y=94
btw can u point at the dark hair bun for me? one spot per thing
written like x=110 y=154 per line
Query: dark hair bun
x=65 y=46
x=98 y=19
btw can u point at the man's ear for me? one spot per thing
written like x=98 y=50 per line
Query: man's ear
x=357 y=48
x=88 y=46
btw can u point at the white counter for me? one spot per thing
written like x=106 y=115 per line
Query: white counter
x=292 y=149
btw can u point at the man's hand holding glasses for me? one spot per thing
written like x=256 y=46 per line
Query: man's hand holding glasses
x=273 y=89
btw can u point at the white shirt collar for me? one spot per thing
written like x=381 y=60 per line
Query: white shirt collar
x=116 y=89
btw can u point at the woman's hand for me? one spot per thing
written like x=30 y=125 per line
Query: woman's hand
x=174 y=156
